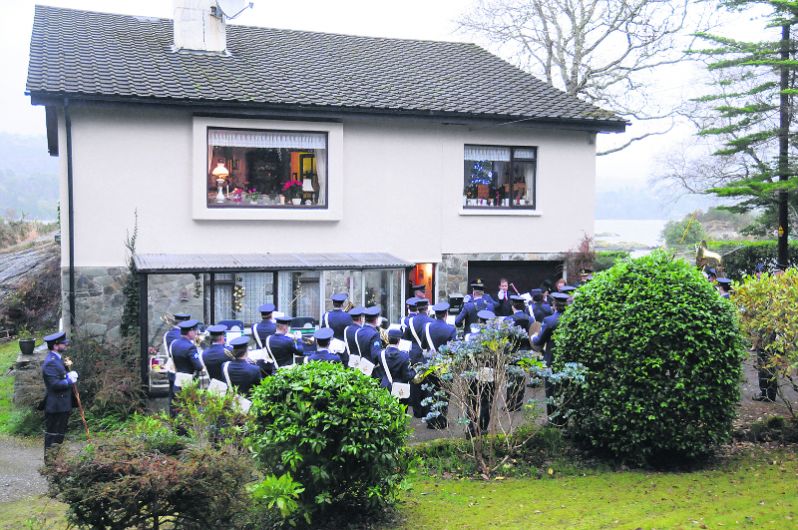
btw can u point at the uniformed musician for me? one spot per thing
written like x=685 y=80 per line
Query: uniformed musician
x=414 y=330
x=323 y=337
x=351 y=331
x=239 y=373
x=438 y=333
x=266 y=326
x=521 y=317
x=169 y=337
x=468 y=315
x=411 y=310
x=58 y=385
x=281 y=347
x=216 y=354
x=184 y=351
x=337 y=319
x=544 y=339
x=724 y=287
x=482 y=385
x=540 y=309
x=419 y=290
x=396 y=361
x=368 y=342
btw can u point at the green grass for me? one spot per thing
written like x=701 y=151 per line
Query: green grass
x=37 y=512
x=757 y=491
x=8 y=354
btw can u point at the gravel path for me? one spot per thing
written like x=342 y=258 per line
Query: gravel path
x=20 y=460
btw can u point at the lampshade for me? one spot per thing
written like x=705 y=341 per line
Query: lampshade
x=220 y=172
x=307 y=185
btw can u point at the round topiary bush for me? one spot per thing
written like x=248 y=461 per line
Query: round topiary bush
x=329 y=440
x=663 y=355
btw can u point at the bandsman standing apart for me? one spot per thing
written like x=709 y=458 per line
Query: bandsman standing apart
x=58 y=385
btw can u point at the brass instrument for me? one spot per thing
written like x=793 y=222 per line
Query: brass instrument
x=383 y=336
x=706 y=258
x=348 y=305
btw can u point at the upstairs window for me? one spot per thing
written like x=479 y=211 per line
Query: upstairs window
x=499 y=177
x=250 y=168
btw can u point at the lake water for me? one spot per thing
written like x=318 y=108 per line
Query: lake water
x=637 y=234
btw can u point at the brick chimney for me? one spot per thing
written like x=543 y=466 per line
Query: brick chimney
x=197 y=28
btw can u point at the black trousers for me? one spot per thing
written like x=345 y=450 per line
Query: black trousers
x=768 y=386
x=55 y=427
x=480 y=399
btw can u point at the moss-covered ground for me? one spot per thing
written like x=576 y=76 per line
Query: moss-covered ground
x=758 y=490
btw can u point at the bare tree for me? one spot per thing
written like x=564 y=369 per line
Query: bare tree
x=602 y=51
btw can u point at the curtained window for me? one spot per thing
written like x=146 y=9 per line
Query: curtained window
x=266 y=168
x=499 y=176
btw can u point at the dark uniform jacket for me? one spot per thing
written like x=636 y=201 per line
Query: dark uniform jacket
x=417 y=323
x=186 y=356
x=58 y=397
x=468 y=315
x=440 y=332
x=337 y=320
x=243 y=375
x=541 y=310
x=263 y=329
x=544 y=337
x=283 y=348
x=368 y=338
x=324 y=355
x=213 y=357
x=349 y=338
x=398 y=363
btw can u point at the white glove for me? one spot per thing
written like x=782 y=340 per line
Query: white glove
x=73 y=376
x=502 y=295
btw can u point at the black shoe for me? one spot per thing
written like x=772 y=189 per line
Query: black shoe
x=762 y=397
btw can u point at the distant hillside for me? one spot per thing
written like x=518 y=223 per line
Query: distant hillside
x=28 y=177
x=646 y=202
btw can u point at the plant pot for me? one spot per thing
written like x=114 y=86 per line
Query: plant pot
x=296 y=201
x=26 y=346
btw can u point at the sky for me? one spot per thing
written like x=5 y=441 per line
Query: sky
x=417 y=19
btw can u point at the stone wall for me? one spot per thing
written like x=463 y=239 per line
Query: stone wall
x=452 y=271
x=170 y=294
x=99 y=301
x=28 y=382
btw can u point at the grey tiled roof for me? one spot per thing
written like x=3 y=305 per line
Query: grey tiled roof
x=88 y=54
x=152 y=263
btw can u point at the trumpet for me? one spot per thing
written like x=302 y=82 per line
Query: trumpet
x=348 y=305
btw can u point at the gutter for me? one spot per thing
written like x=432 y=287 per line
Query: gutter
x=70 y=214
x=305 y=111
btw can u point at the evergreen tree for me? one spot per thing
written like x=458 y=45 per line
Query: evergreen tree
x=129 y=326
x=753 y=111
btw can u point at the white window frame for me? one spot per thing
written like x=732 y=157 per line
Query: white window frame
x=335 y=172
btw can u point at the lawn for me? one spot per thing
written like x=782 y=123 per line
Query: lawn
x=757 y=491
x=8 y=354
x=754 y=491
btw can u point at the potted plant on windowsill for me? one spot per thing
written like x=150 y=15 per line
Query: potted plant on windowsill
x=253 y=196
x=27 y=342
x=292 y=189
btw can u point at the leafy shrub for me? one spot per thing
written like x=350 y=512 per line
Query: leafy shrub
x=607 y=258
x=740 y=257
x=110 y=380
x=327 y=438
x=156 y=472
x=769 y=315
x=663 y=356
x=121 y=483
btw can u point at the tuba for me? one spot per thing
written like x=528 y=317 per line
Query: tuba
x=706 y=258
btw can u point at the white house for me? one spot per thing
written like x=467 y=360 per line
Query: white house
x=415 y=161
